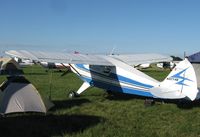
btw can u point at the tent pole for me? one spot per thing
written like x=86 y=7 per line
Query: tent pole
x=50 y=82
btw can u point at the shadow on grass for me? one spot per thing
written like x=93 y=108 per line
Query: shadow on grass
x=66 y=104
x=121 y=96
x=36 y=73
x=181 y=103
x=186 y=104
x=46 y=126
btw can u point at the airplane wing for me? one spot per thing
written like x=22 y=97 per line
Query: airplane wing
x=134 y=59
x=137 y=59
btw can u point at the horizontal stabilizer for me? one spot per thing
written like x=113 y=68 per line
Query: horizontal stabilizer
x=166 y=93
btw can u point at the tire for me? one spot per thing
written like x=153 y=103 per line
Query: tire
x=72 y=94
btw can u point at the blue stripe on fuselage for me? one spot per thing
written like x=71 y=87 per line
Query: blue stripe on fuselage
x=119 y=88
x=116 y=77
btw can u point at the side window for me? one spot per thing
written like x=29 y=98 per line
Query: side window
x=107 y=70
x=101 y=69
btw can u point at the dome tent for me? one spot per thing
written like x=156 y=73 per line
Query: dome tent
x=9 y=66
x=19 y=95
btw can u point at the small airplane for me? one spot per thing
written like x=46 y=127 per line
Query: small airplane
x=116 y=73
x=52 y=65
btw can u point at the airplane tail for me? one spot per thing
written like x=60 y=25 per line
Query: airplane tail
x=180 y=83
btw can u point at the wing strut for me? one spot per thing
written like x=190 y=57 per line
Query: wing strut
x=74 y=69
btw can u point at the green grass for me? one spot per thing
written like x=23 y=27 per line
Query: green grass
x=95 y=113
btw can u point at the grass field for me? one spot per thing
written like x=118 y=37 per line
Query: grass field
x=97 y=114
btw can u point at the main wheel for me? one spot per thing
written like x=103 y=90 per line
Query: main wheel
x=72 y=94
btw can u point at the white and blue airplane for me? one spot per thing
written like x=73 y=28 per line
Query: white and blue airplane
x=115 y=73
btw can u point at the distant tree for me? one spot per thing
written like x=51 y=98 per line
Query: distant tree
x=176 y=58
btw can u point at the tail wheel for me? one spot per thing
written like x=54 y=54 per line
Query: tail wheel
x=149 y=102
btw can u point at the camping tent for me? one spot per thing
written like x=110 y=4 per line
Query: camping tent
x=197 y=72
x=195 y=58
x=9 y=66
x=19 y=95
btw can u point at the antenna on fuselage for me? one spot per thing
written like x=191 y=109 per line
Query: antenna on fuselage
x=185 y=54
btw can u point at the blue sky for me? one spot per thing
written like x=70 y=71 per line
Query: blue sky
x=96 y=26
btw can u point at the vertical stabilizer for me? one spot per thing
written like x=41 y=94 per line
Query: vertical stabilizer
x=180 y=83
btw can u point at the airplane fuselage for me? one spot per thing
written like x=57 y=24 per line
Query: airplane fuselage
x=121 y=78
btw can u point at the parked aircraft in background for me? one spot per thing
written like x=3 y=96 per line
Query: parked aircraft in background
x=143 y=66
x=52 y=65
x=115 y=73
x=23 y=62
x=170 y=65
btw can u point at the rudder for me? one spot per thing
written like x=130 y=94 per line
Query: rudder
x=180 y=83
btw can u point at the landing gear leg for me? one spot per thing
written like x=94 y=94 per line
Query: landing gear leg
x=85 y=86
